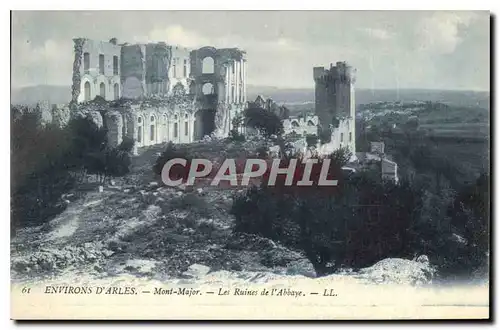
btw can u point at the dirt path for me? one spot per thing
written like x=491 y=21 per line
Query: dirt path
x=139 y=227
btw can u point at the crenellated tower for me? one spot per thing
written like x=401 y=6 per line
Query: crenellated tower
x=335 y=102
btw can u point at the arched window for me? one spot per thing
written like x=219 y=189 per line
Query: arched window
x=295 y=124
x=152 y=129
x=115 y=65
x=174 y=67
x=208 y=65
x=86 y=62
x=207 y=89
x=116 y=89
x=102 y=88
x=139 y=129
x=310 y=123
x=101 y=63
x=86 y=88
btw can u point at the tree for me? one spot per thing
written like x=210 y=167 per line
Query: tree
x=312 y=140
x=172 y=152
x=265 y=121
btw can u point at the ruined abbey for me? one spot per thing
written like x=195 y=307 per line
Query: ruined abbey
x=158 y=92
x=155 y=93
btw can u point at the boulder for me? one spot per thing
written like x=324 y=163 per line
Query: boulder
x=399 y=271
x=301 y=267
x=196 y=271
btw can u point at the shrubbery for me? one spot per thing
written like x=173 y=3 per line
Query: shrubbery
x=312 y=140
x=267 y=122
x=49 y=161
x=171 y=152
x=365 y=219
x=236 y=136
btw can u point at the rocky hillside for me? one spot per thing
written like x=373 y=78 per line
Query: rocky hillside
x=137 y=227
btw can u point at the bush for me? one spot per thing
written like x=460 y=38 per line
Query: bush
x=359 y=222
x=117 y=162
x=312 y=140
x=267 y=122
x=127 y=144
x=50 y=161
x=39 y=172
x=325 y=136
x=341 y=156
x=235 y=136
x=172 y=152
x=192 y=203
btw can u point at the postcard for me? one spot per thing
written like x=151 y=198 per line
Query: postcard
x=250 y=165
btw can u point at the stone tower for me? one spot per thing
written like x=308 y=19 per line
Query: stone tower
x=218 y=81
x=335 y=103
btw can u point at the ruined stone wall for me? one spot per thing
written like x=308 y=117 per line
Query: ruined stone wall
x=114 y=125
x=227 y=80
x=133 y=69
x=157 y=125
x=304 y=125
x=158 y=58
x=342 y=137
x=181 y=58
x=93 y=76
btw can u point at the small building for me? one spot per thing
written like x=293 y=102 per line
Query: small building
x=301 y=125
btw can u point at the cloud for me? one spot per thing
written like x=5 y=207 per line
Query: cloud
x=282 y=47
x=47 y=63
x=377 y=33
x=175 y=35
x=441 y=32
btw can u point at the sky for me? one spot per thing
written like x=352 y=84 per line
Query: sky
x=389 y=49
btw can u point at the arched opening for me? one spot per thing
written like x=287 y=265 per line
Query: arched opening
x=178 y=89
x=186 y=125
x=204 y=123
x=295 y=124
x=164 y=126
x=176 y=126
x=208 y=89
x=140 y=123
x=86 y=88
x=116 y=89
x=86 y=62
x=208 y=65
x=125 y=125
x=102 y=90
x=152 y=134
x=310 y=123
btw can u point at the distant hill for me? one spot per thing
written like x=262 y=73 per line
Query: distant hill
x=363 y=96
x=62 y=94
x=34 y=94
